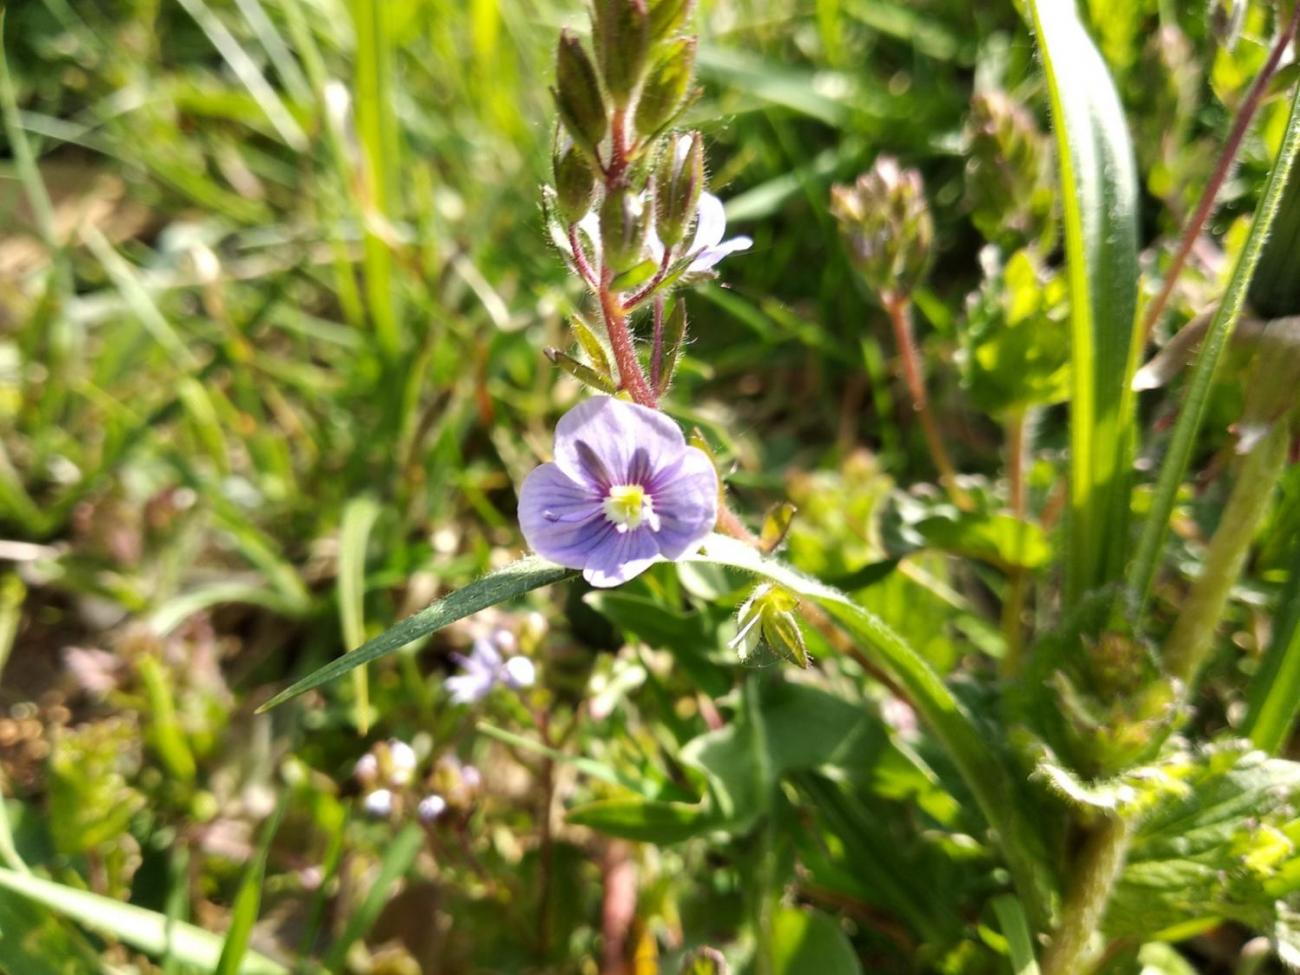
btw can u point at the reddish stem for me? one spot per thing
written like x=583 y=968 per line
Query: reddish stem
x=629 y=369
x=900 y=317
x=580 y=259
x=1192 y=231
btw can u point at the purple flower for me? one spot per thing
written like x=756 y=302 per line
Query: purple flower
x=624 y=490
x=708 y=247
x=484 y=668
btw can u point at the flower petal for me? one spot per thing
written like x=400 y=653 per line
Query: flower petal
x=705 y=260
x=628 y=440
x=711 y=223
x=620 y=557
x=686 y=501
x=560 y=517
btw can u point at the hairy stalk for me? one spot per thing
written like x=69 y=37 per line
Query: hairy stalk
x=899 y=308
x=1096 y=869
x=1236 y=136
x=630 y=375
x=1193 y=635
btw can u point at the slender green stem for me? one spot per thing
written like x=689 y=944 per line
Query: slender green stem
x=1193 y=635
x=1095 y=871
x=1275 y=690
x=1143 y=571
x=1013 y=607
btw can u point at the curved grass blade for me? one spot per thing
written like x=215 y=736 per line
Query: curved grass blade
x=988 y=779
x=145 y=930
x=1099 y=197
x=496 y=587
x=397 y=860
x=1015 y=928
x=1199 y=383
x=248 y=902
x=1274 y=697
x=358 y=518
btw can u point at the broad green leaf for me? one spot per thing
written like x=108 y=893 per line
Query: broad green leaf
x=1099 y=197
x=998 y=538
x=1183 y=440
x=144 y=930
x=495 y=587
x=809 y=941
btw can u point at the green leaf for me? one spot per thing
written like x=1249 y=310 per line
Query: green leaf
x=1015 y=928
x=495 y=587
x=980 y=765
x=144 y=930
x=809 y=941
x=1197 y=395
x=248 y=901
x=998 y=538
x=1274 y=696
x=643 y=820
x=1099 y=195
x=398 y=858
x=354 y=533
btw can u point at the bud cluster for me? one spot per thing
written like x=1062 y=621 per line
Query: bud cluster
x=628 y=207
x=887 y=225
x=1009 y=173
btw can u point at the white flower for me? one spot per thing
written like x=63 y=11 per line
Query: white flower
x=379 y=803
x=402 y=762
x=431 y=807
x=519 y=672
x=708 y=247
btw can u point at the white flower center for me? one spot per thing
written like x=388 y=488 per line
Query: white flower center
x=627 y=505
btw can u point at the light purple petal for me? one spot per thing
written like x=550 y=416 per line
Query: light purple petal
x=621 y=557
x=560 y=518
x=711 y=225
x=468 y=688
x=706 y=259
x=686 y=501
x=626 y=438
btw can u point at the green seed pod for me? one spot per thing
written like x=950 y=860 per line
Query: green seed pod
x=668 y=17
x=887 y=225
x=623 y=227
x=664 y=92
x=621 y=29
x=679 y=180
x=575 y=185
x=705 y=961
x=577 y=94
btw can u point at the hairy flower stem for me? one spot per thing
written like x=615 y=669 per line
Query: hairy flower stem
x=899 y=307
x=630 y=375
x=1193 y=635
x=1196 y=223
x=1095 y=871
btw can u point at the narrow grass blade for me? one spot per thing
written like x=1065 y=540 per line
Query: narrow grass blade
x=12 y=595
x=276 y=49
x=358 y=518
x=1274 y=696
x=980 y=767
x=248 y=902
x=24 y=159
x=1015 y=928
x=142 y=929
x=1099 y=197
x=247 y=71
x=496 y=587
x=1183 y=440
x=397 y=860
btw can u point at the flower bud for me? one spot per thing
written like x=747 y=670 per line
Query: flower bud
x=664 y=92
x=577 y=94
x=679 y=181
x=704 y=961
x=1008 y=177
x=575 y=185
x=623 y=226
x=668 y=17
x=887 y=225
x=622 y=35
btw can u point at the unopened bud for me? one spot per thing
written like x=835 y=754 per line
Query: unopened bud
x=887 y=225
x=664 y=92
x=622 y=36
x=704 y=961
x=674 y=334
x=623 y=226
x=679 y=181
x=577 y=94
x=1008 y=172
x=575 y=185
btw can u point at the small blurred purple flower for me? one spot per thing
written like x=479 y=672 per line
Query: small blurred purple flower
x=379 y=803
x=402 y=762
x=623 y=491
x=431 y=807
x=367 y=769
x=484 y=668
